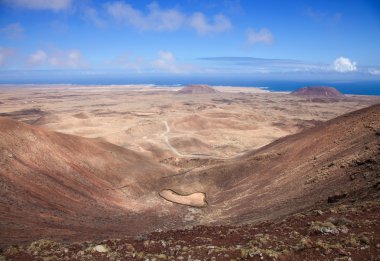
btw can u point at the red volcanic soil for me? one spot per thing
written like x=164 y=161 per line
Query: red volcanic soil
x=320 y=91
x=342 y=231
x=61 y=186
x=197 y=89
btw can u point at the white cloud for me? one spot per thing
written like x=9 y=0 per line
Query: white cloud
x=5 y=55
x=262 y=36
x=320 y=16
x=167 y=63
x=13 y=30
x=91 y=14
x=68 y=59
x=374 y=71
x=63 y=59
x=199 y=22
x=156 y=19
x=267 y=65
x=169 y=19
x=343 y=64
x=37 y=58
x=55 y=5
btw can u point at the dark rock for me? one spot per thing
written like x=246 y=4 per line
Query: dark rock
x=335 y=198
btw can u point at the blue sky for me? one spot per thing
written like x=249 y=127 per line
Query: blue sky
x=335 y=40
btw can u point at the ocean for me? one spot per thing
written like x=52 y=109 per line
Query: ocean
x=352 y=87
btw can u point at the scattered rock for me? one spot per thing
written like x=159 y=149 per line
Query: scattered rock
x=335 y=198
x=340 y=221
x=101 y=248
x=162 y=256
x=304 y=244
x=323 y=228
x=364 y=240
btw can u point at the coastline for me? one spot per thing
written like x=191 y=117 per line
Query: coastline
x=154 y=88
x=131 y=87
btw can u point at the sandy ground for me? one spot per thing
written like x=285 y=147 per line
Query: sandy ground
x=159 y=122
x=194 y=200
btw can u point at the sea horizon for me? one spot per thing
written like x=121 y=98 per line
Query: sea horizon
x=353 y=88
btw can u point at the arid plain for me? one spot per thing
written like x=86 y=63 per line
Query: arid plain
x=162 y=123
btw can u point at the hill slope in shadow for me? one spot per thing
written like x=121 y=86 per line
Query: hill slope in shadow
x=62 y=186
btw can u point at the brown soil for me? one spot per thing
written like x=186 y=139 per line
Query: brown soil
x=27 y=115
x=196 y=123
x=81 y=115
x=348 y=231
x=61 y=186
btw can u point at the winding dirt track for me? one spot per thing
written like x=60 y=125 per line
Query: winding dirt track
x=166 y=138
x=194 y=155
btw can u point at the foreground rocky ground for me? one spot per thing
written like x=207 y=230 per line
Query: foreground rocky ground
x=342 y=231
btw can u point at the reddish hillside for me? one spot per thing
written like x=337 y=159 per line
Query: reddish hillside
x=293 y=173
x=196 y=89
x=318 y=91
x=61 y=186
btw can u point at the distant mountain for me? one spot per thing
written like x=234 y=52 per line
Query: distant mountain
x=197 y=89
x=318 y=91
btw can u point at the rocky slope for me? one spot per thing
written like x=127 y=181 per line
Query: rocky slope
x=340 y=231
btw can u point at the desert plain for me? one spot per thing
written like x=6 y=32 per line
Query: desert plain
x=162 y=123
